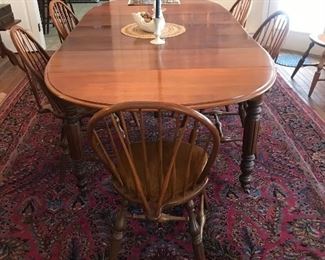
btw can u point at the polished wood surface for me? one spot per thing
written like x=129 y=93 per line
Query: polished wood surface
x=213 y=63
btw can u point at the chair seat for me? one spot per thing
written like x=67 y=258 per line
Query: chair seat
x=183 y=169
x=319 y=39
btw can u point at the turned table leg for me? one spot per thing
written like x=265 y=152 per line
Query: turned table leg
x=251 y=128
x=72 y=133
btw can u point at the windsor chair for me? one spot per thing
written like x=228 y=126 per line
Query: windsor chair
x=159 y=155
x=240 y=10
x=272 y=33
x=63 y=18
x=34 y=60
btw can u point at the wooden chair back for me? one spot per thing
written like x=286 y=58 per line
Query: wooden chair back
x=159 y=154
x=272 y=33
x=34 y=59
x=240 y=10
x=63 y=18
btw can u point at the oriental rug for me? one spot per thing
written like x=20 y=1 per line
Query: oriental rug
x=282 y=217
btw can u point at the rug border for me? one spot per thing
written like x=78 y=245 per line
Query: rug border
x=12 y=96
x=299 y=101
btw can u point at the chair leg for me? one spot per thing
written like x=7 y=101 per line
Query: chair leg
x=314 y=82
x=302 y=60
x=242 y=112
x=119 y=227
x=206 y=200
x=195 y=231
x=218 y=125
x=317 y=74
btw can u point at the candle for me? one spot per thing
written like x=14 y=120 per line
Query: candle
x=157 y=8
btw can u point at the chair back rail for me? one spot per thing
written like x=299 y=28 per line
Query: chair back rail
x=272 y=33
x=240 y=10
x=159 y=154
x=63 y=18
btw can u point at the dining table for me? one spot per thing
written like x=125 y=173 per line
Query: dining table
x=214 y=62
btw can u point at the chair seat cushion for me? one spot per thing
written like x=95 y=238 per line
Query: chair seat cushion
x=189 y=164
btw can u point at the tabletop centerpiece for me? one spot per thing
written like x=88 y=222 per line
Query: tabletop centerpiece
x=159 y=22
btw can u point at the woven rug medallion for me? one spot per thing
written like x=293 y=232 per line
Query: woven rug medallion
x=282 y=218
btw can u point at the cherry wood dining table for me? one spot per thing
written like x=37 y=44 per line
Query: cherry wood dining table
x=214 y=63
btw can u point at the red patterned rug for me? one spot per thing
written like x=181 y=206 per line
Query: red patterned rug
x=283 y=217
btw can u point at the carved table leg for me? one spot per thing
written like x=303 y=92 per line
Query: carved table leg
x=73 y=134
x=251 y=128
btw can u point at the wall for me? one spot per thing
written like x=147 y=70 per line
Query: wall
x=27 y=11
x=298 y=37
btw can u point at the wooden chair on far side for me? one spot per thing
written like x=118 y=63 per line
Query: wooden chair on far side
x=34 y=59
x=240 y=10
x=272 y=33
x=159 y=156
x=63 y=18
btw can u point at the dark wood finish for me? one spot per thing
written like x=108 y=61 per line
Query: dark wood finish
x=4 y=51
x=63 y=18
x=240 y=10
x=315 y=40
x=210 y=65
x=272 y=33
x=251 y=129
x=159 y=155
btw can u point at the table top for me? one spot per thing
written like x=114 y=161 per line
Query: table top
x=213 y=63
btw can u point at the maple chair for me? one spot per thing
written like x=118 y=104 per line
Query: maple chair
x=159 y=156
x=34 y=60
x=63 y=18
x=240 y=10
x=272 y=33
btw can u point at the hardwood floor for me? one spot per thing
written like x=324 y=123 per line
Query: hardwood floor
x=11 y=76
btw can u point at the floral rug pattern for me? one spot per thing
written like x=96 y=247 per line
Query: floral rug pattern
x=282 y=218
